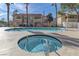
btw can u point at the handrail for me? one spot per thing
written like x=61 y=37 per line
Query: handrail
x=47 y=45
x=26 y=44
x=57 y=53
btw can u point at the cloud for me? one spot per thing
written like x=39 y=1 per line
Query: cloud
x=20 y=7
x=2 y=14
x=2 y=7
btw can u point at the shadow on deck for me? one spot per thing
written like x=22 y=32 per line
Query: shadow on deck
x=66 y=40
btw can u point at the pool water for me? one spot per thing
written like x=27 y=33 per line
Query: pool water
x=49 y=29
x=39 y=43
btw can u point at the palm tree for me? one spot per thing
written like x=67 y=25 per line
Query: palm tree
x=55 y=4
x=8 y=9
x=49 y=19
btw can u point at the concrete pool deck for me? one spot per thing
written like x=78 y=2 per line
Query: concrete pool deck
x=9 y=46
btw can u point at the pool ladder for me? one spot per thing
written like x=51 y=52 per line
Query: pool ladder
x=47 y=45
x=26 y=44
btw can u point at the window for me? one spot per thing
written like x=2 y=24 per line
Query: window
x=72 y=16
x=37 y=17
x=28 y=18
x=18 y=17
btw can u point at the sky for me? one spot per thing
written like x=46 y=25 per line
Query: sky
x=34 y=8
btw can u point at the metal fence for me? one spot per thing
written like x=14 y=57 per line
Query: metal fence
x=71 y=24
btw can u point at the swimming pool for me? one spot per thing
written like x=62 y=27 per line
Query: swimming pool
x=49 y=29
x=39 y=43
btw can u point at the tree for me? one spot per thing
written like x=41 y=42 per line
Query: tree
x=55 y=4
x=49 y=18
x=8 y=9
x=2 y=19
x=71 y=7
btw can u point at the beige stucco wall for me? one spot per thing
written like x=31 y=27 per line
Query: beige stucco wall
x=59 y=21
x=71 y=21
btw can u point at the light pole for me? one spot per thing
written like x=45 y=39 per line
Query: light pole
x=43 y=17
x=14 y=15
x=27 y=14
x=56 y=13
